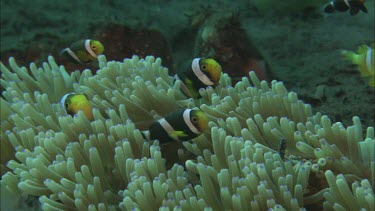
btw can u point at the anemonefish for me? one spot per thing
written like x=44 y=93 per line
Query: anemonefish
x=365 y=59
x=204 y=72
x=83 y=51
x=180 y=125
x=73 y=102
x=282 y=148
x=343 y=5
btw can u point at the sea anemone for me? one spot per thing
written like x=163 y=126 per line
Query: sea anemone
x=71 y=163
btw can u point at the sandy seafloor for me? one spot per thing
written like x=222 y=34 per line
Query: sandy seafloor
x=304 y=51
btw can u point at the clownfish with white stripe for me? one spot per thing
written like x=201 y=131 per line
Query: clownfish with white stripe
x=180 y=125
x=73 y=102
x=83 y=51
x=354 y=6
x=204 y=72
x=365 y=59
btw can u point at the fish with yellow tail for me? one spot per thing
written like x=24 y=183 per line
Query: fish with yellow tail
x=203 y=72
x=73 y=103
x=354 y=6
x=83 y=51
x=365 y=59
x=180 y=125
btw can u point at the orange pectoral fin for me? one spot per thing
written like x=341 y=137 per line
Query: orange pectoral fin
x=178 y=134
x=189 y=84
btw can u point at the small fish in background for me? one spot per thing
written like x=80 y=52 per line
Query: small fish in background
x=343 y=5
x=180 y=125
x=83 y=51
x=204 y=72
x=282 y=148
x=365 y=59
x=73 y=102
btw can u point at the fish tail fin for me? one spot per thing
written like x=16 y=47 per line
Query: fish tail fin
x=347 y=55
x=372 y=81
x=351 y=56
x=363 y=8
x=329 y=8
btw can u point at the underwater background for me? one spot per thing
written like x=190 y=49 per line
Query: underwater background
x=301 y=44
x=294 y=42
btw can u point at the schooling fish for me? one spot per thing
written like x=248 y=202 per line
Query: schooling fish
x=73 y=102
x=180 y=125
x=83 y=51
x=204 y=72
x=365 y=59
x=343 y=5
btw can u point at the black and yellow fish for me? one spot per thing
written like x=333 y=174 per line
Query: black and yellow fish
x=83 y=51
x=204 y=72
x=73 y=102
x=343 y=5
x=282 y=148
x=364 y=58
x=179 y=125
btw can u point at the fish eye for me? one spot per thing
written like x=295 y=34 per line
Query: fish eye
x=194 y=119
x=204 y=67
x=93 y=47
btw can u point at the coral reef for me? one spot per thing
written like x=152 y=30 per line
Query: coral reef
x=71 y=163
